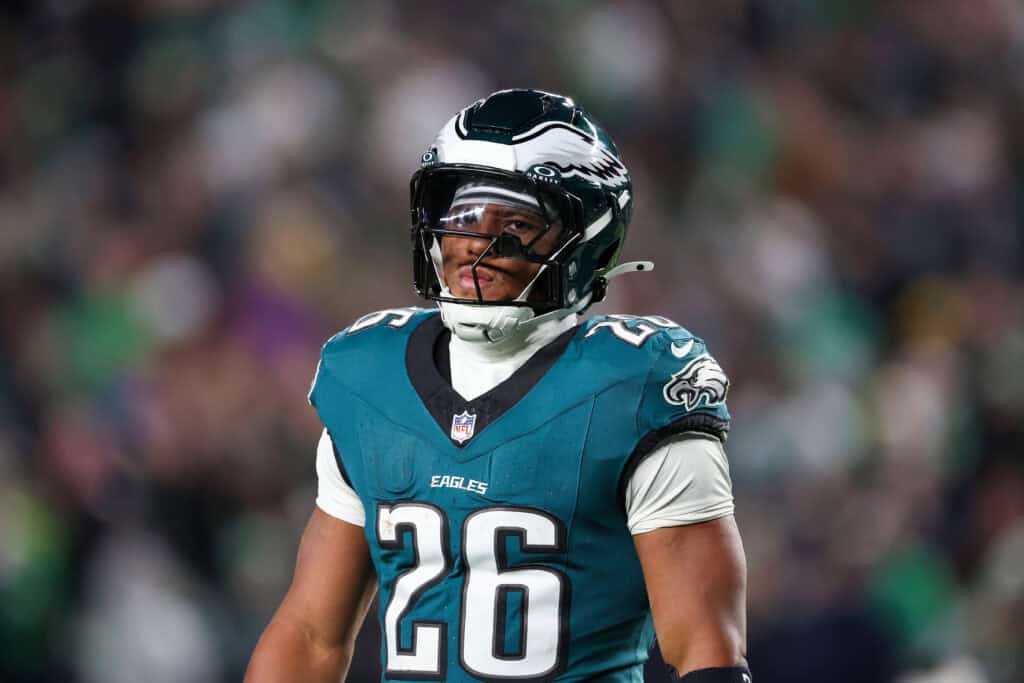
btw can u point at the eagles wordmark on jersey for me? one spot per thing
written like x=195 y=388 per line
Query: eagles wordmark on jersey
x=501 y=553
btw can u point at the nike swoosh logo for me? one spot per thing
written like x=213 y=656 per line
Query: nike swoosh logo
x=681 y=351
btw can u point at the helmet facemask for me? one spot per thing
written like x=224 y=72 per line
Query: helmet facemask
x=502 y=221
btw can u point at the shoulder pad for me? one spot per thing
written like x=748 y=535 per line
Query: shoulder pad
x=634 y=330
x=394 y=318
x=387 y=320
x=364 y=337
x=686 y=388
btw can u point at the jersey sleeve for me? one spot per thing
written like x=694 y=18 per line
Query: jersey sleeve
x=334 y=496
x=685 y=392
x=683 y=481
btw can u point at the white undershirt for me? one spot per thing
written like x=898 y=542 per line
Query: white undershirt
x=683 y=481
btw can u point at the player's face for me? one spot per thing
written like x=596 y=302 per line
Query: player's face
x=499 y=278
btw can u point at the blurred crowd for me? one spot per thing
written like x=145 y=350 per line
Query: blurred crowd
x=195 y=194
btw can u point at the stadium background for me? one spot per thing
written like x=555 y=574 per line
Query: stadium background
x=194 y=194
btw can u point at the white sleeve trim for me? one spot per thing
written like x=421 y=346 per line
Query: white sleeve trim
x=684 y=481
x=333 y=495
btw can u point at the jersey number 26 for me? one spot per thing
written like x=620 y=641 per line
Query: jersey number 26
x=489 y=586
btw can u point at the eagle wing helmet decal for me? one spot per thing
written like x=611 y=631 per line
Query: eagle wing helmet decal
x=563 y=147
x=702 y=379
x=574 y=152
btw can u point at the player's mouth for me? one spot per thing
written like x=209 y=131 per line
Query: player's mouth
x=486 y=277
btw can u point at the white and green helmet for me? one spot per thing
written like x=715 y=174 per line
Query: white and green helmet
x=533 y=149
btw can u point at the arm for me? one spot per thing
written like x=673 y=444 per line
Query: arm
x=696 y=582
x=311 y=636
x=679 y=508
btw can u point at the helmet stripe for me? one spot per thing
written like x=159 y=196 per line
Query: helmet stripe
x=597 y=226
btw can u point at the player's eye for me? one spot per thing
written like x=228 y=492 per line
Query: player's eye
x=521 y=226
x=517 y=226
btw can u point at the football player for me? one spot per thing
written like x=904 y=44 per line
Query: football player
x=534 y=498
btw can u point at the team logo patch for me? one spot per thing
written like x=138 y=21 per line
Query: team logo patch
x=700 y=380
x=463 y=426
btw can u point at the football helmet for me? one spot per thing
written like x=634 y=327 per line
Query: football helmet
x=533 y=177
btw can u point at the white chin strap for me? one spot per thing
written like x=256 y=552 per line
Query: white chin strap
x=483 y=323
x=474 y=323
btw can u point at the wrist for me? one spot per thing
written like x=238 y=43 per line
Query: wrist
x=718 y=674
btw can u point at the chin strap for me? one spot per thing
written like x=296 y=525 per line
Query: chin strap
x=497 y=323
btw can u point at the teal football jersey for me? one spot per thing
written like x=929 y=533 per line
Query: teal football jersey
x=497 y=525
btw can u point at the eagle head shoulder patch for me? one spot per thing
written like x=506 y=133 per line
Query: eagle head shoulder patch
x=701 y=382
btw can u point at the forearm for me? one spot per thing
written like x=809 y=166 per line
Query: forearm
x=713 y=647
x=287 y=653
x=696 y=580
x=697 y=632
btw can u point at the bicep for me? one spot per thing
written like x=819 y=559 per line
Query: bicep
x=333 y=582
x=696 y=583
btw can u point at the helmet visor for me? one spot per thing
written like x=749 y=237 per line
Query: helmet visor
x=488 y=237
x=488 y=210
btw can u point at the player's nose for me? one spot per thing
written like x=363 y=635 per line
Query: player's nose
x=468 y=248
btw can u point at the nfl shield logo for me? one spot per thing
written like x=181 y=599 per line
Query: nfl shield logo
x=463 y=425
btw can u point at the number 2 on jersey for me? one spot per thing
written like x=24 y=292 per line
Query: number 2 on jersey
x=489 y=586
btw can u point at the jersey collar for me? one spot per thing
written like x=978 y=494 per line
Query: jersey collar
x=428 y=342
